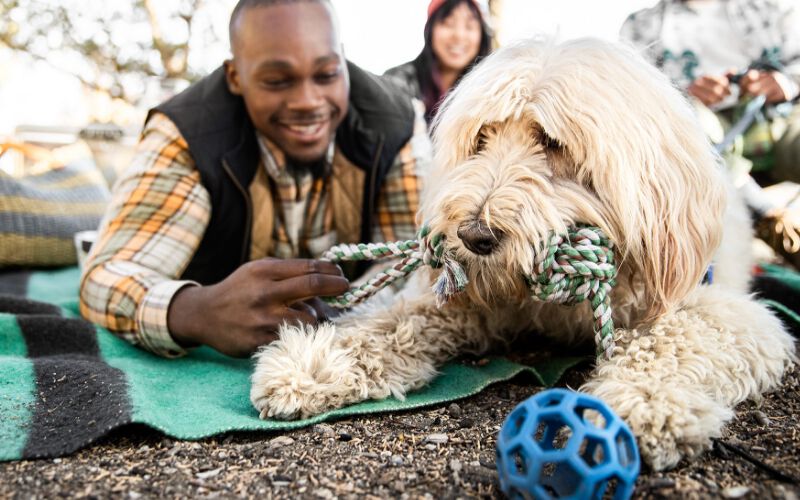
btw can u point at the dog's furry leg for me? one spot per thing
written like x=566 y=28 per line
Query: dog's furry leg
x=676 y=382
x=371 y=353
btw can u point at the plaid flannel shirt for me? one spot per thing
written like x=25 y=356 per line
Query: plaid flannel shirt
x=764 y=30
x=160 y=210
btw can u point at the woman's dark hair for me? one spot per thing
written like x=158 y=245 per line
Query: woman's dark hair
x=425 y=63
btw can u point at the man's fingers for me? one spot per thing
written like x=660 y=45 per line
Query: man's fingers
x=323 y=310
x=302 y=315
x=305 y=308
x=299 y=288
x=754 y=87
x=281 y=269
x=706 y=97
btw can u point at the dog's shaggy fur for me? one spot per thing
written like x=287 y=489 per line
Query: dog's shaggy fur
x=539 y=137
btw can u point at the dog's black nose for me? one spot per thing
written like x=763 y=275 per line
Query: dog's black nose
x=478 y=238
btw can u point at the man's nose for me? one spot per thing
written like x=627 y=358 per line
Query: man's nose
x=306 y=95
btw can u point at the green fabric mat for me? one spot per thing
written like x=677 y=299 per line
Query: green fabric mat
x=64 y=382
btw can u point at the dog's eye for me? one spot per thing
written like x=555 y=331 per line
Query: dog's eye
x=550 y=142
x=481 y=140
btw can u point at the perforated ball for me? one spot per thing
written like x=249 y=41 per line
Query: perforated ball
x=564 y=444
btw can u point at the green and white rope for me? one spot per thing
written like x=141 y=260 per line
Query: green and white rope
x=575 y=267
x=426 y=249
x=568 y=269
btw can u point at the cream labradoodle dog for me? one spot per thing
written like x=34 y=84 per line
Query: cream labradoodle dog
x=537 y=138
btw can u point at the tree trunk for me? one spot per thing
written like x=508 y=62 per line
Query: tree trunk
x=496 y=18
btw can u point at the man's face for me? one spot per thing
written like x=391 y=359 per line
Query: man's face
x=289 y=68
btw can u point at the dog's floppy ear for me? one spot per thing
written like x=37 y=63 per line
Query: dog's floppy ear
x=650 y=164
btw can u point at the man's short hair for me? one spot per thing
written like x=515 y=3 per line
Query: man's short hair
x=243 y=5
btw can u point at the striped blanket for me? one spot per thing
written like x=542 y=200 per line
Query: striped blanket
x=39 y=214
x=64 y=382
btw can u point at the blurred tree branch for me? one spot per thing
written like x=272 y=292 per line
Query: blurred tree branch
x=114 y=47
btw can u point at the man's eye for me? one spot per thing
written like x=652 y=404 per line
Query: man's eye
x=328 y=77
x=276 y=83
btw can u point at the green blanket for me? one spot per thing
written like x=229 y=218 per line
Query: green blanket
x=64 y=383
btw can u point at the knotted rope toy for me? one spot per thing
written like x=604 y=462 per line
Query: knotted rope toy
x=569 y=268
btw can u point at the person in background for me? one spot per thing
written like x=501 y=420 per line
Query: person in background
x=241 y=181
x=723 y=53
x=456 y=36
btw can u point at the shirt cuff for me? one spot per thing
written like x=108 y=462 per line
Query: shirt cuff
x=151 y=319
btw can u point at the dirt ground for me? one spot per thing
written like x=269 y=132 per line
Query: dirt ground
x=438 y=452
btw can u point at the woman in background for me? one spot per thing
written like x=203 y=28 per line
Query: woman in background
x=456 y=37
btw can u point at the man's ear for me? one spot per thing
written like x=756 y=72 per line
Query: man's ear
x=232 y=77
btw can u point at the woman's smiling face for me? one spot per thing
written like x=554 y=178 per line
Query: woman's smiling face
x=456 y=39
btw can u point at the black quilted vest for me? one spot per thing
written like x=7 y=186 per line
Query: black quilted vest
x=222 y=142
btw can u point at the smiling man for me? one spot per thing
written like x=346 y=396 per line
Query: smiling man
x=246 y=177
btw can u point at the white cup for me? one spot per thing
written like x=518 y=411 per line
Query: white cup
x=83 y=243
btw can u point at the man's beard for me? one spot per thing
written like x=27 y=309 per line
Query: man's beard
x=298 y=168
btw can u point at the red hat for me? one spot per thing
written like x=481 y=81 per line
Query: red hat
x=435 y=4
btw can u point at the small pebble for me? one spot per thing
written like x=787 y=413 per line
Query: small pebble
x=280 y=441
x=324 y=429
x=430 y=447
x=735 y=492
x=455 y=465
x=397 y=460
x=661 y=482
x=454 y=410
x=323 y=493
x=437 y=438
x=209 y=473
x=466 y=423
x=344 y=436
x=761 y=418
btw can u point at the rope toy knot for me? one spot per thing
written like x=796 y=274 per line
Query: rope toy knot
x=574 y=267
x=569 y=268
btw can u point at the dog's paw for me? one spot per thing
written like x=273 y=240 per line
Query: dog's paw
x=304 y=373
x=671 y=422
x=679 y=427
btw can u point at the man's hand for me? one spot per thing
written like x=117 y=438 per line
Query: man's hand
x=710 y=90
x=773 y=84
x=244 y=311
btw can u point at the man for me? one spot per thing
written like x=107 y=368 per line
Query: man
x=243 y=178
x=702 y=44
x=719 y=51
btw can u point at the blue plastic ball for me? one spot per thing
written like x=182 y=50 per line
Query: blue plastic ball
x=564 y=444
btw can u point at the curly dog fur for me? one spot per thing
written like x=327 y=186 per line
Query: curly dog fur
x=538 y=137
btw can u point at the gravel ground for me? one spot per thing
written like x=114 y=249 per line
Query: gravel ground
x=438 y=452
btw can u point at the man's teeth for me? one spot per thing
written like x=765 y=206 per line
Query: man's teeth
x=305 y=129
